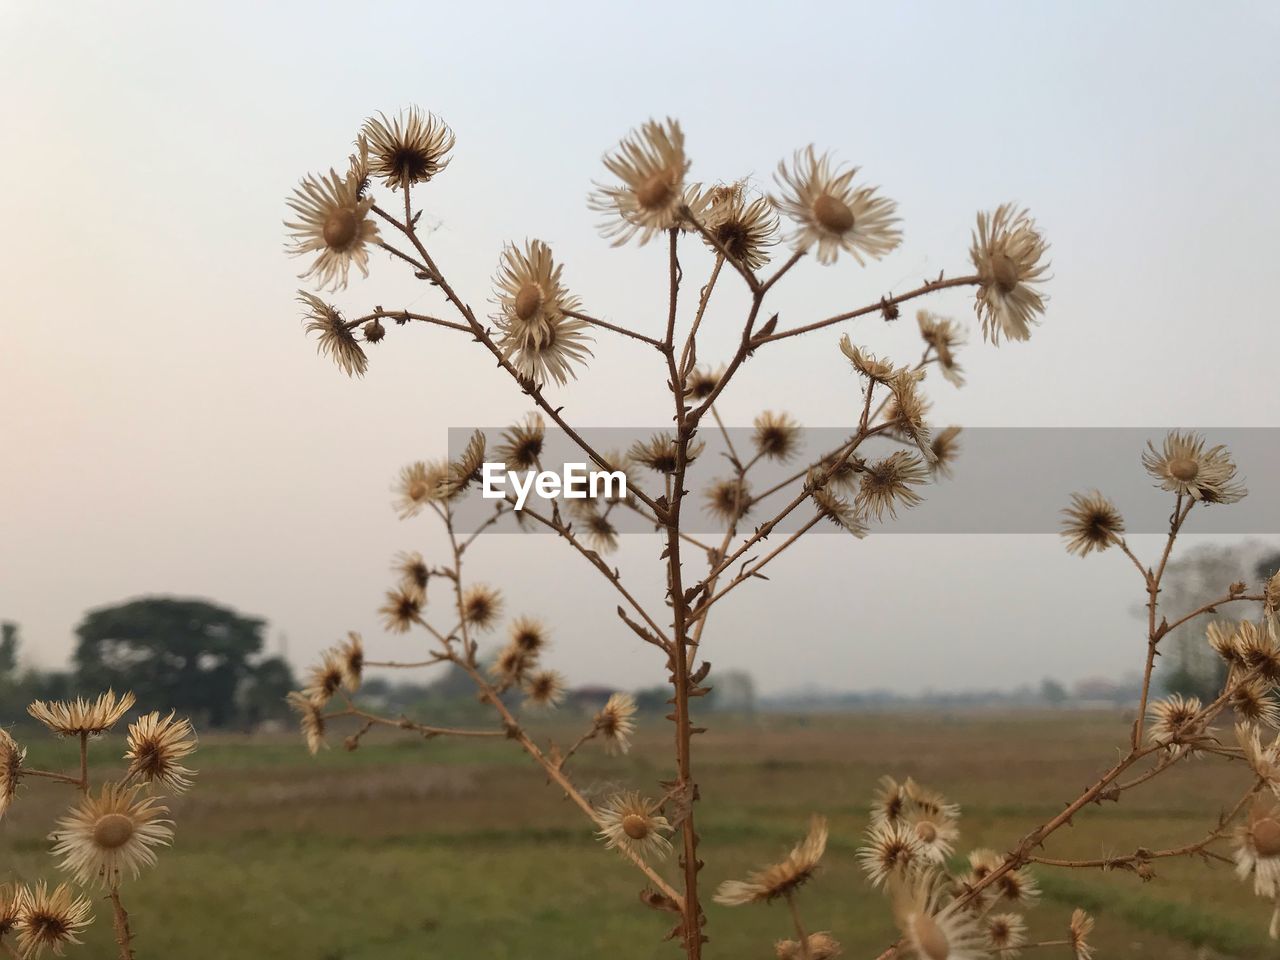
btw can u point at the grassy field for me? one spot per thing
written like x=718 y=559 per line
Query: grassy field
x=408 y=850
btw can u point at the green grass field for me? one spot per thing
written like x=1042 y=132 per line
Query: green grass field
x=407 y=850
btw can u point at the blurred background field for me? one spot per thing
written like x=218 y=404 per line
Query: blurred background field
x=406 y=849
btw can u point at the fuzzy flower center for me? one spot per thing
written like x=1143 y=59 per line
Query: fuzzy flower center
x=1266 y=837
x=833 y=214
x=1005 y=272
x=1184 y=468
x=340 y=228
x=418 y=490
x=926 y=831
x=635 y=826
x=112 y=831
x=655 y=192
x=932 y=941
x=528 y=301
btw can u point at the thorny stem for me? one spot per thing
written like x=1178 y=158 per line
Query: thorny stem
x=120 y=920
x=625 y=331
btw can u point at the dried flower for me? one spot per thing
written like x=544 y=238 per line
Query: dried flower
x=651 y=164
x=156 y=747
x=1271 y=594
x=1078 y=933
x=335 y=222
x=943 y=335
x=351 y=661
x=409 y=149
x=630 y=822
x=777 y=436
x=660 y=451
x=50 y=918
x=889 y=802
x=1252 y=701
x=522 y=444
x=414 y=573
x=743 y=230
x=111 y=835
x=935 y=930
x=528 y=635
x=818 y=946
x=82 y=717
x=702 y=382
x=602 y=535
x=1259 y=650
x=535 y=332
x=839 y=511
x=1092 y=523
x=324 y=680
x=1175 y=722
x=615 y=722
x=830 y=212
x=936 y=833
x=1183 y=466
x=1006 y=252
x=11 y=759
x=1006 y=932
x=779 y=879
x=945 y=446
x=374 y=331
x=892 y=849
x=401 y=609
x=546 y=688
x=310 y=718
x=481 y=606
x=336 y=339
x=866 y=363
x=11 y=897
x=418 y=485
x=887 y=484
x=729 y=499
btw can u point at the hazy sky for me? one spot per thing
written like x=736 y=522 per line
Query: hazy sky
x=167 y=428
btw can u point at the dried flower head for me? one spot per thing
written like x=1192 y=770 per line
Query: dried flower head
x=535 y=331
x=156 y=747
x=602 y=535
x=651 y=165
x=420 y=484
x=866 y=363
x=112 y=835
x=889 y=483
x=943 y=336
x=529 y=635
x=11 y=897
x=1006 y=933
x=51 y=919
x=1258 y=848
x=546 y=688
x=11 y=758
x=782 y=878
x=409 y=149
x=839 y=511
x=729 y=499
x=907 y=409
x=414 y=572
x=310 y=719
x=659 y=452
x=937 y=834
x=892 y=849
x=1271 y=594
x=888 y=802
x=945 y=446
x=481 y=606
x=616 y=722
x=82 y=717
x=933 y=928
x=522 y=444
x=830 y=212
x=336 y=339
x=631 y=822
x=1185 y=467
x=401 y=610
x=776 y=436
x=1175 y=722
x=511 y=664
x=1253 y=701
x=1092 y=522
x=1222 y=637
x=325 y=679
x=743 y=230
x=334 y=222
x=702 y=382
x=928 y=801
x=351 y=661
x=818 y=946
x=374 y=331
x=1263 y=759
x=1078 y=934
x=465 y=469
x=1006 y=252
x=1259 y=649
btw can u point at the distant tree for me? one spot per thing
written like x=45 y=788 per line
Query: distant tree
x=262 y=695
x=1052 y=692
x=187 y=654
x=8 y=650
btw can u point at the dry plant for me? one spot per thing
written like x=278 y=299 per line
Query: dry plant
x=110 y=835
x=539 y=335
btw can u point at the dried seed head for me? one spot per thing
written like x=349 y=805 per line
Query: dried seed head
x=1092 y=522
x=374 y=331
x=783 y=878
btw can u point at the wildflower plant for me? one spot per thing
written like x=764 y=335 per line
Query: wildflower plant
x=111 y=833
x=949 y=903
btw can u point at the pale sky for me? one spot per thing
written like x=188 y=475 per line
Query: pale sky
x=167 y=428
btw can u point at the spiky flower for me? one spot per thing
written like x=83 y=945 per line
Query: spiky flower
x=1006 y=933
x=351 y=661
x=651 y=165
x=889 y=483
x=818 y=946
x=325 y=679
x=1222 y=637
x=729 y=499
x=1092 y=522
x=522 y=444
x=1259 y=649
x=839 y=511
x=937 y=834
x=945 y=445
x=83 y=717
x=743 y=230
x=11 y=897
x=465 y=469
x=402 y=609
x=1176 y=723
x=111 y=836
x=776 y=436
x=943 y=336
x=933 y=927
x=481 y=606
x=892 y=849
x=336 y=340
x=1182 y=465
x=907 y=410
x=51 y=919
x=1006 y=252
x=414 y=573
x=702 y=382
x=1271 y=594
x=782 y=878
x=631 y=822
x=536 y=332
x=928 y=801
x=1017 y=886
x=616 y=722
x=11 y=758
x=833 y=214
x=866 y=363
x=546 y=688
x=602 y=535
x=1078 y=934
x=418 y=485
x=409 y=149
x=528 y=635
x=1253 y=701
x=310 y=719
x=889 y=802
x=156 y=747
x=659 y=453
x=1263 y=758
x=334 y=222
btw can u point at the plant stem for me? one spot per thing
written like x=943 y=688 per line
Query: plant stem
x=120 y=919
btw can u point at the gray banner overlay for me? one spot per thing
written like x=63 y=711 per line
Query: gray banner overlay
x=1004 y=480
